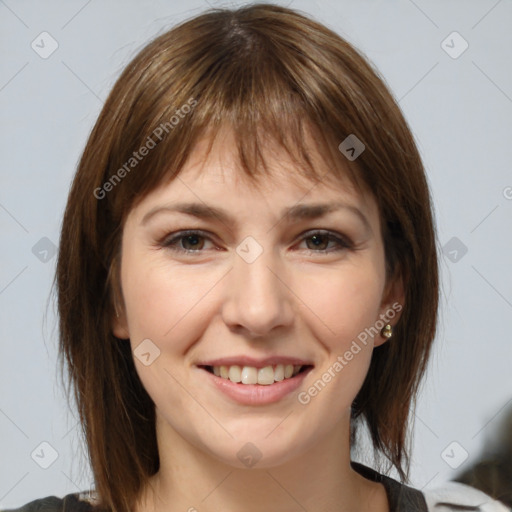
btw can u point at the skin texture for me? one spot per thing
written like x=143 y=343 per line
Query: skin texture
x=294 y=300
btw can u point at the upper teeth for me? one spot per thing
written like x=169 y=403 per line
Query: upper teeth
x=252 y=375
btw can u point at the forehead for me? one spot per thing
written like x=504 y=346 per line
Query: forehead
x=215 y=160
x=212 y=178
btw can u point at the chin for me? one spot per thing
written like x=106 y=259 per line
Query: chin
x=258 y=449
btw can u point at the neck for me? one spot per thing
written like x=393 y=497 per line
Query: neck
x=317 y=480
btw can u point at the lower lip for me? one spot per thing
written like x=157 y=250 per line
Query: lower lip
x=257 y=394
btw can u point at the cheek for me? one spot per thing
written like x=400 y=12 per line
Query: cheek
x=345 y=307
x=163 y=304
x=342 y=304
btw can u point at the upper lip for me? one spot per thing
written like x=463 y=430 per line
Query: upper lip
x=254 y=362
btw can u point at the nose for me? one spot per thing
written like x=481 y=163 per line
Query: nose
x=257 y=298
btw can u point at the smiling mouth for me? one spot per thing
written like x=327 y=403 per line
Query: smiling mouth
x=251 y=375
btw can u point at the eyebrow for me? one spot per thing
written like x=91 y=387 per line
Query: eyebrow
x=294 y=213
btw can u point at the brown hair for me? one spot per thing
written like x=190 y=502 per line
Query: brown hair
x=266 y=72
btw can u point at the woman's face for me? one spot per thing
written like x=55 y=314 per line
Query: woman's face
x=220 y=284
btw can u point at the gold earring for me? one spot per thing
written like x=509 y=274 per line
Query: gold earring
x=387 y=331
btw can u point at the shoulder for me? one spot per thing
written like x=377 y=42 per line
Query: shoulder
x=456 y=496
x=78 y=502
x=401 y=497
x=450 y=497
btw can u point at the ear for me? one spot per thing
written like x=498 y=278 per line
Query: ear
x=392 y=304
x=119 y=324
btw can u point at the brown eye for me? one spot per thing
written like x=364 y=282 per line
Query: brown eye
x=319 y=242
x=194 y=242
x=186 y=242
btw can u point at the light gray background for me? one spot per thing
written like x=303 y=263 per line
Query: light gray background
x=459 y=109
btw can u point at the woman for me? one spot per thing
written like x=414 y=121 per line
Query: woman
x=247 y=276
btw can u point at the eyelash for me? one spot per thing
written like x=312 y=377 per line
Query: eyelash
x=171 y=242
